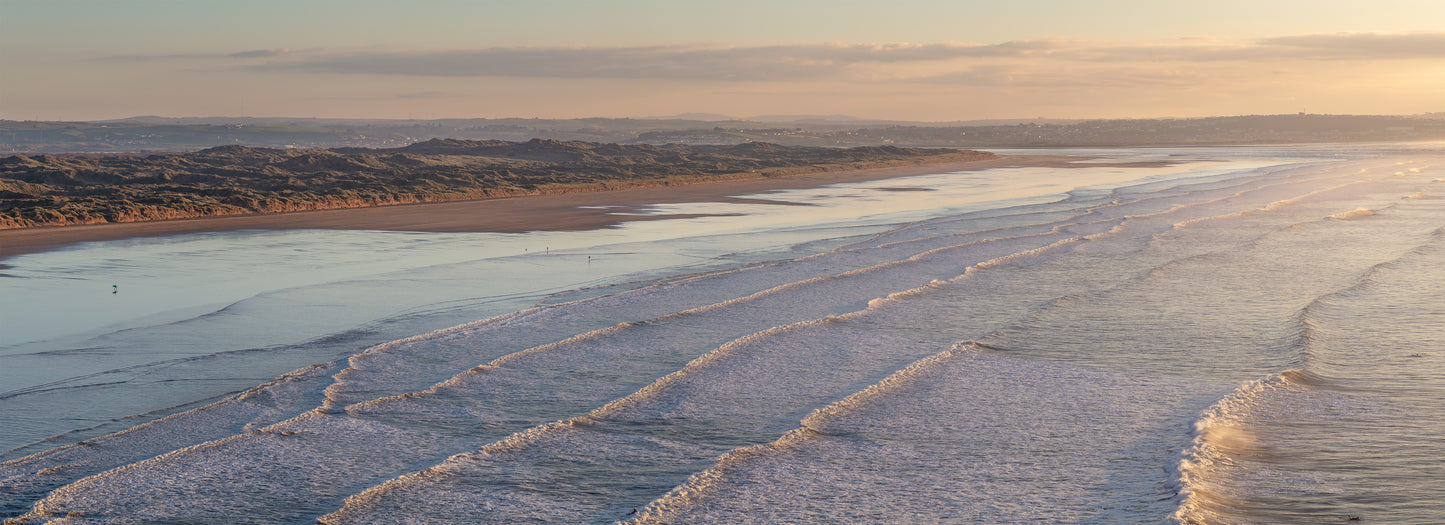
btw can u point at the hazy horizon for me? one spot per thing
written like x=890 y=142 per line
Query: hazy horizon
x=760 y=119
x=922 y=61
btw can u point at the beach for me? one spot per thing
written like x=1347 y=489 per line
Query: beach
x=558 y=212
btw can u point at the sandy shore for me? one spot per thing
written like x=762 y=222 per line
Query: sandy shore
x=573 y=211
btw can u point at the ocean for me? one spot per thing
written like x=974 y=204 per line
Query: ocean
x=1206 y=335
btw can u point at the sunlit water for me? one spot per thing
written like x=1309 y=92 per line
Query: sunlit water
x=1251 y=335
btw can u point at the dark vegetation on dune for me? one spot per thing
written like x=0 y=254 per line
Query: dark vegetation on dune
x=51 y=190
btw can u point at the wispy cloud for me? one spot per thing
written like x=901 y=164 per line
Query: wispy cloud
x=1365 y=45
x=176 y=57
x=172 y=57
x=793 y=62
x=262 y=53
x=1341 y=46
x=1103 y=77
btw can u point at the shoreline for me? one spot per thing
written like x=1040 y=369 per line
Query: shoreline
x=576 y=211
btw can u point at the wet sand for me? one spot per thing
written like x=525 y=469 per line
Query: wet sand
x=572 y=211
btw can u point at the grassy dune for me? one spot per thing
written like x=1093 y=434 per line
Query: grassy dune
x=48 y=190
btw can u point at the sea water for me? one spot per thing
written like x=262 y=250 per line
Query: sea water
x=1243 y=335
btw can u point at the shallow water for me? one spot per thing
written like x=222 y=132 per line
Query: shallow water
x=1248 y=336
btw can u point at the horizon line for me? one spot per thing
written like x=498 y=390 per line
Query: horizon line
x=838 y=119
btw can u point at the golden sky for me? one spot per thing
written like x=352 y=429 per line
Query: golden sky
x=907 y=60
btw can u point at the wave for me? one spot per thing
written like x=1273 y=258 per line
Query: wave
x=701 y=484
x=387 y=352
x=43 y=472
x=364 y=503
x=1225 y=437
x=1236 y=444
x=1313 y=194
x=1353 y=214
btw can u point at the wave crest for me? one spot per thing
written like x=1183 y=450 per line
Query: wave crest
x=1353 y=214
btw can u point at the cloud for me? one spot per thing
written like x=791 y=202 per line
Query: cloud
x=1359 y=46
x=158 y=58
x=261 y=53
x=769 y=63
x=255 y=53
x=1103 y=77
x=1365 y=45
x=977 y=76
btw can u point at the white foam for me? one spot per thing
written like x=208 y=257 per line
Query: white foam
x=1354 y=214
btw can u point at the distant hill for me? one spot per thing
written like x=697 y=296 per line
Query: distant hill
x=776 y=119
x=705 y=117
x=161 y=134
x=54 y=190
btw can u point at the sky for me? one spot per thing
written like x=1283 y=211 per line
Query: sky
x=920 y=60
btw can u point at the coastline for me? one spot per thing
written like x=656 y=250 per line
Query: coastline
x=553 y=212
